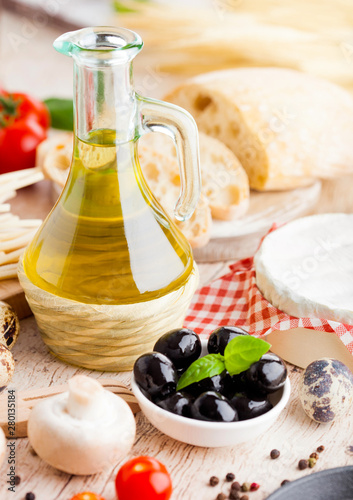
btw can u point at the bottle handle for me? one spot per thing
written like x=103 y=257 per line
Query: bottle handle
x=169 y=119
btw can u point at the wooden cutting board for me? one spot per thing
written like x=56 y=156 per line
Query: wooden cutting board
x=240 y=238
x=12 y=293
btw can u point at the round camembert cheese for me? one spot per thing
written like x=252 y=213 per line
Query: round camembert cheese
x=305 y=268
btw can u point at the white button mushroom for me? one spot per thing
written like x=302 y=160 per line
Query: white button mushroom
x=7 y=367
x=326 y=390
x=84 y=430
x=9 y=325
x=2 y=447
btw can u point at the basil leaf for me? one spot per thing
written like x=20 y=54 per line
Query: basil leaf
x=208 y=366
x=61 y=113
x=120 y=7
x=242 y=352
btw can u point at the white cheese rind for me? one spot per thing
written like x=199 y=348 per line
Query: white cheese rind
x=305 y=268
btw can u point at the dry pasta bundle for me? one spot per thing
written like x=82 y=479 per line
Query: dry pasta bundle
x=15 y=233
x=307 y=35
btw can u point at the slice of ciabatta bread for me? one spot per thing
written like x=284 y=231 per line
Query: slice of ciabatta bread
x=225 y=184
x=54 y=156
x=162 y=176
x=286 y=127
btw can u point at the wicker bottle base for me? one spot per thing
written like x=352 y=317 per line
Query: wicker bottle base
x=101 y=337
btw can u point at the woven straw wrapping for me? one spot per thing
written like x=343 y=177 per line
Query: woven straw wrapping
x=105 y=337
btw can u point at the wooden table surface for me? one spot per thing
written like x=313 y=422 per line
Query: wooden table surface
x=36 y=68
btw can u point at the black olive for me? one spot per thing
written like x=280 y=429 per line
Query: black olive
x=250 y=407
x=220 y=337
x=215 y=383
x=177 y=403
x=155 y=374
x=180 y=371
x=266 y=375
x=213 y=407
x=233 y=384
x=181 y=346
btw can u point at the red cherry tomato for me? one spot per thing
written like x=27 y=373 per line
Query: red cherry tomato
x=23 y=125
x=145 y=478
x=87 y=495
x=29 y=106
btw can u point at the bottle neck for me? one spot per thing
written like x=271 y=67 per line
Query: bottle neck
x=104 y=98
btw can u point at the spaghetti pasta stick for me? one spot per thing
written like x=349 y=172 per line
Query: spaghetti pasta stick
x=8 y=271
x=30 y=222
x=8 y=196
x=18 y=242
x=22 y=182
x=10 y=257
x=15 y=222
x=13 y=235
x=18 y=174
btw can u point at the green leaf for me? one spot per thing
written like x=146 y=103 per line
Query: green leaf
x=61 y=113
x=208 y=366
x=123 y=9
x=127 y=6
x=242 y=352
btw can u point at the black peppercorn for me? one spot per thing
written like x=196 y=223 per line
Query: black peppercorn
x=17 y=480
x=30 y=496
x=315 y=455
x=214 y=481
x=236 y=486
x=275 y=454
x=320 y=448
x=284 y=482
x=221 y=496
x=234 y=495
x=230 y=477
x=302 y=464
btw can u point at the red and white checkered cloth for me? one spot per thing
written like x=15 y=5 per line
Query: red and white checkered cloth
x=234 y=299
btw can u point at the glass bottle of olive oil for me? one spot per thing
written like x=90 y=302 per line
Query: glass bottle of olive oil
x=107 y=240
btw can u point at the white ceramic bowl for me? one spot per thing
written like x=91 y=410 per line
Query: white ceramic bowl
x=211 y=434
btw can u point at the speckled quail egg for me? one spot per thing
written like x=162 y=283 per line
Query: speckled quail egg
x=7 y=367
x=9 y=325
x=326 y=390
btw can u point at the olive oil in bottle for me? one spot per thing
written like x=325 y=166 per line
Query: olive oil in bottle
x=107 y=241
